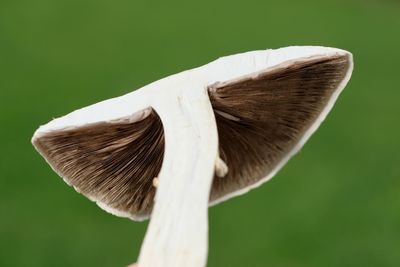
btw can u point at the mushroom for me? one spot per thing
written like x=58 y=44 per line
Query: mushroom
x=194 y=139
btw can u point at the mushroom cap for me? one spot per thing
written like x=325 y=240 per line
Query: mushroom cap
x=266 y=104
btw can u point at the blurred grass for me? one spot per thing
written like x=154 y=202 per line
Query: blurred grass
x=335 y=204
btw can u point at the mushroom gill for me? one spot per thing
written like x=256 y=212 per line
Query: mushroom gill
x=261 y=118
x=113 y=163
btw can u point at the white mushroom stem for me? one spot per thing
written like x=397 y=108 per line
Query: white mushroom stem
x=177 y=235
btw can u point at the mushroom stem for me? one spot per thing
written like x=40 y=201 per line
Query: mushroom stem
x=177 y=235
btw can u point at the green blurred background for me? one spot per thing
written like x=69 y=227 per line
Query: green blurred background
x=335 y=204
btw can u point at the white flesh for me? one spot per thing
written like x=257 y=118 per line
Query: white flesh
x=178 y=230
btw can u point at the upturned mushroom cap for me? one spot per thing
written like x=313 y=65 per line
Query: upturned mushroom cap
x=266 y=105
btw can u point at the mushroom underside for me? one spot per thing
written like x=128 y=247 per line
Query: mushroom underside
x=112 y=163
x=260 y=119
